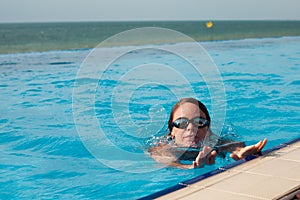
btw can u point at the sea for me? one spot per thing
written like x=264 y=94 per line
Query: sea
x=76 y=121
x=36 y=37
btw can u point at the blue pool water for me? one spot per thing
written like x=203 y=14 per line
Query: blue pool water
x=43 y=156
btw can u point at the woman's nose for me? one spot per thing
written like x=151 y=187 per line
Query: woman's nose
x=190 y=126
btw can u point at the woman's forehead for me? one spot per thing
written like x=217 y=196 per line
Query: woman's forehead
x=189 y=110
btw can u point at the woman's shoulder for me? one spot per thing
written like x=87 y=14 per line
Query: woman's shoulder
x=159 y=148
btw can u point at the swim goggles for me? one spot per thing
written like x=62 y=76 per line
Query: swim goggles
x=183 y=122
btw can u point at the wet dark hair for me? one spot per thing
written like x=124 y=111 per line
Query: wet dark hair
x=196 y=102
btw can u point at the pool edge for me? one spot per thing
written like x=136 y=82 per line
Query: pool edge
x=186 y=183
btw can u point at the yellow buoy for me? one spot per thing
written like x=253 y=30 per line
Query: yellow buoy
x=209 y=24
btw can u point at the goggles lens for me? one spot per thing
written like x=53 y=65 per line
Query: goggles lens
x=182 y=123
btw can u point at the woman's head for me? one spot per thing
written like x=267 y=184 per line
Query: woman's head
x=194 y=119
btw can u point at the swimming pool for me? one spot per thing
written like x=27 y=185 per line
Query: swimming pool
x=44 y=157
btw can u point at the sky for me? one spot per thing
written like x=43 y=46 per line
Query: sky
x=137 y=10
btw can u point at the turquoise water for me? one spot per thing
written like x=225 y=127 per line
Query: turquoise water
x=42 y=155
x=33 y=37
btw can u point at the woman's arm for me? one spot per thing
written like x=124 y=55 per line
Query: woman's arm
x=238 y=150
x=167 y=155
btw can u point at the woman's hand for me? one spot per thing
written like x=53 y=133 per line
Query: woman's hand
x=206 y=156
x=244 y=152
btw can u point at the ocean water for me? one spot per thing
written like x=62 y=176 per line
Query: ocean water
x=45 y=145
x=33 y=37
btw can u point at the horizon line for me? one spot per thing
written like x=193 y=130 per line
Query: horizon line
x=144 y=20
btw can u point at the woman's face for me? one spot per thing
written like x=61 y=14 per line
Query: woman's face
x=191 y=135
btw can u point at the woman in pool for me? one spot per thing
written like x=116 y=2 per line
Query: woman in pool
x=189 y=126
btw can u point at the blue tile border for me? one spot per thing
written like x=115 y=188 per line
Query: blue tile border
x=214 y=172
x=164 y=192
